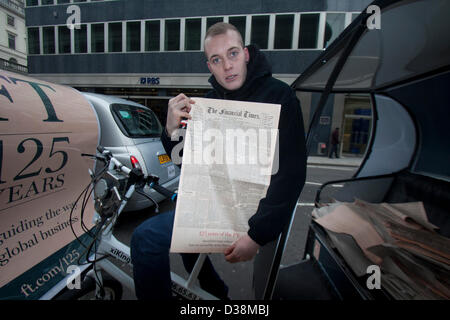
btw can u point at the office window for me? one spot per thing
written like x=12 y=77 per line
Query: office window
x=48 y=38
x=63 y=1
x=213 y=20
x=44 y=2
x=335 y=24
x=98 y=37
x=284 y=27
x=79 y=0
x=10 y=20
x=309 y=30
x=33 y=41
x=134 y=36
x=192 y=34
x=64 y=39
x=172 y=35
x=31 y=3
x=115 y=37
x=152 y=35
x=81 y=39
x=239 y=23
x=11 y=41
x=260 y=31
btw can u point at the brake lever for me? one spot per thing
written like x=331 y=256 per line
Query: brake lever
x=152 y=178
x=94 y=156
x=136 y=176
x=88 y=155
x=140 y=190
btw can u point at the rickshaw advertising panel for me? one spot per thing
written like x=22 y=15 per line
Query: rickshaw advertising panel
x=44 y=130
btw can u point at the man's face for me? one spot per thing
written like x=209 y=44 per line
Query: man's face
x=227 y=59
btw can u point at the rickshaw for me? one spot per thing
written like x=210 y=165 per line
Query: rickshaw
x=402 y=61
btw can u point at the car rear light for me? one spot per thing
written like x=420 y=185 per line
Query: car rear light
x=135 y=162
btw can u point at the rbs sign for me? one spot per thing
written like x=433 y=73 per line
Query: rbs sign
x=149 y=80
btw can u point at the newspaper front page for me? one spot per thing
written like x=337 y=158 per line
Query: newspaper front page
x=229 y=155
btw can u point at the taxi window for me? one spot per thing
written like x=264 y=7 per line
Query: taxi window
x=136 y=122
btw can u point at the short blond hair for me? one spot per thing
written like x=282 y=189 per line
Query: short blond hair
x=222 y=28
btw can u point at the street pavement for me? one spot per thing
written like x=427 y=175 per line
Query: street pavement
x=342 y=161
x=238 y=276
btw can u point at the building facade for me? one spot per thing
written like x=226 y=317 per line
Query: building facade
x=149 y=51
x=13 y=36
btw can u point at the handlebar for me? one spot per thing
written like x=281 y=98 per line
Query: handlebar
x=101 y=149
x=135 y=176
x=114 y=163
x=169 y=194
x=112 y=187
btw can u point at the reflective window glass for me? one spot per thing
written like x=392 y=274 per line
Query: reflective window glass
x=239 y=23
x=212 y=20
x=11 y=41
x=284 y=25
x=98 y=37
x=48 y=35
x=192 y=34
x=152 y=35
x=64 y=39
x=33 y=41
x=134 y=36
x=260 y=31
x=172 y=35
x=115 y=37
x=309 y=31
x=334 y=25
x=136 y=122
x=81 y=39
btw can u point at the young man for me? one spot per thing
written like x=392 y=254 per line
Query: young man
x=238 y=73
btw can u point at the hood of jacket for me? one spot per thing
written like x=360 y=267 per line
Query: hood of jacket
x=257 y=68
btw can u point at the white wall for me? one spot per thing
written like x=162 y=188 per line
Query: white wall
x=19 y=29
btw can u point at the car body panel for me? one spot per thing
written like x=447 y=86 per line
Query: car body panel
x=114 y=137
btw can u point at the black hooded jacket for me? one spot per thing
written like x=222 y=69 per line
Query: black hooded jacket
x=275 y=210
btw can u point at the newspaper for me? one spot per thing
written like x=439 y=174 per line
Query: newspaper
x=413 y=257
x=229 y=156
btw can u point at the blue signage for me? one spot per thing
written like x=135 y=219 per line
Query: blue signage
x=149 y=80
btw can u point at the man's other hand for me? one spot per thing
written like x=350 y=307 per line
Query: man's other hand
x=243 y=249
x=179 y=107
